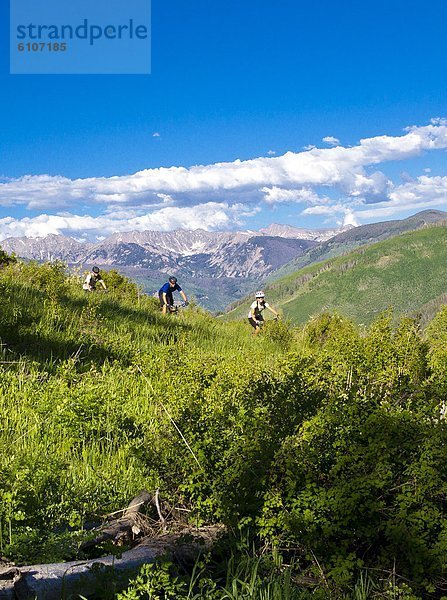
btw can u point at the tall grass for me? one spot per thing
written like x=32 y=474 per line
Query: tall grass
x=81 y=432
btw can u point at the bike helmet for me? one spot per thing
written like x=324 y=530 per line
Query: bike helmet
x=95 y=270
x=173 y=280
x=260 y=294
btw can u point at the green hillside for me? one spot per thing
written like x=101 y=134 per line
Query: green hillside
x=321 y=449
x=359 y=236
x=406 y=273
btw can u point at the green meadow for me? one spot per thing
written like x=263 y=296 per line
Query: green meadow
x=321 y=448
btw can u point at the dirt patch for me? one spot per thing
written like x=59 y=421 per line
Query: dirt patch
x=386 y=261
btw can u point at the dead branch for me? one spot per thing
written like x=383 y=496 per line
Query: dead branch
x=125 y=529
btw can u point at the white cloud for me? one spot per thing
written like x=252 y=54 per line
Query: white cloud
x=369 y=187
x=342 y=167
x=350 y=219
x=209 y=216
x=271 y=152
x=274 y=195
x=156 y=134
x=331 y=140
x=348 y=216
x=424 y=189
x=207 y=195
x=325 y=209
x=167 y=199
x=416 y=195
x=406 y=177
x=438 y=121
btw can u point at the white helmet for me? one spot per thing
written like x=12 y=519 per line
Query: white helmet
x=260 y=294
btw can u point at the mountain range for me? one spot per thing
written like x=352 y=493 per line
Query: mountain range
x=195 y=253
x=218 y=268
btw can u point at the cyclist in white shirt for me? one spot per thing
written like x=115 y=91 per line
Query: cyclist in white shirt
x=255 y=317
x=92 y=279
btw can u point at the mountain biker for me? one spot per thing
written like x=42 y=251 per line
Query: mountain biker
x=166 y=291
x=255 y=317
x=92 y=279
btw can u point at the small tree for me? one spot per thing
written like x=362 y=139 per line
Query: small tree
x=6 y=259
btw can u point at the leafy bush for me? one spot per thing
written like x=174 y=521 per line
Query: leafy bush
x=361 y=483
x=121 y=285
x=6 y=259
x=48 y=277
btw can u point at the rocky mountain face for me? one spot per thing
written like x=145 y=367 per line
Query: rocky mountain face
x=49 y=248
x=187 y=253
x=316 y=235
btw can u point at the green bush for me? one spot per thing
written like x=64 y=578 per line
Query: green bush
x=120 y=285
x=361 y=483
x=6 y=259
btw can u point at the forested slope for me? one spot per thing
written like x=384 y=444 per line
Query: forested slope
x=406 y=273
x=372 y=233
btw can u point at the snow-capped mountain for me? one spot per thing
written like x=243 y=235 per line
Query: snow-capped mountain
x=195 y=253
x=316 y=235
x=49 y=248
x=208 y=255
x=181 y=241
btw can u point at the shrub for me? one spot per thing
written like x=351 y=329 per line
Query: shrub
x=120 y=285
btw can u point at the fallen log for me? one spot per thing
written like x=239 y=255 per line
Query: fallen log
x=7 y=577
x=85 y=577
x=63 y=580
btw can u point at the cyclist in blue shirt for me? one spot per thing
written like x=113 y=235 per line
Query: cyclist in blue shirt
x=166 y=291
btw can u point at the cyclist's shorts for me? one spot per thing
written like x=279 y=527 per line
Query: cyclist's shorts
x=255 y=323
x=169 y=299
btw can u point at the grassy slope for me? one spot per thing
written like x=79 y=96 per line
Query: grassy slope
x=324 y=415
x=405 y=272
x=359 y=236
x=87 y=427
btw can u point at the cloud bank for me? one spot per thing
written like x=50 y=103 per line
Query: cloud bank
x=340 y=183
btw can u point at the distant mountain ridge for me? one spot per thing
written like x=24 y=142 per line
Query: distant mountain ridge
x=196 y=253
x=358 y=236
x=49 y=248
x=317 y=235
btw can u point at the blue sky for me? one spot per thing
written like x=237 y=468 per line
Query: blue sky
x=235 y=81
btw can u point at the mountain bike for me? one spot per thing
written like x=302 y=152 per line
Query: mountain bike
x=176 y=308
